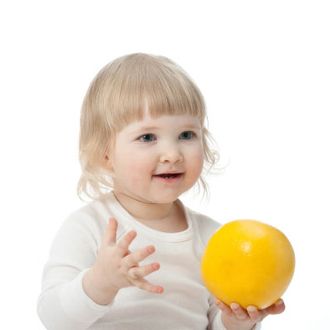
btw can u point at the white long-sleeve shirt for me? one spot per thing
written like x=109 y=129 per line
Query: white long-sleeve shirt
x=184 y=304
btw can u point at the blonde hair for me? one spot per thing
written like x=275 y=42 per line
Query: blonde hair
x=118 y=96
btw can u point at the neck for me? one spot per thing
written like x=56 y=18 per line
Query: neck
x=144 y=210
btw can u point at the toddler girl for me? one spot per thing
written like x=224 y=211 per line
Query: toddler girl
x=130 y=258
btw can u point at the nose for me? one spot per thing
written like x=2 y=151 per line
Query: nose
x=171 y=153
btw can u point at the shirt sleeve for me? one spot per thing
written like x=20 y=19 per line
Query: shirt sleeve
x=63 y=303
x=214 y=316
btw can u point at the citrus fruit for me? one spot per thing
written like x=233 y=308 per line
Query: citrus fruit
x=248 y=262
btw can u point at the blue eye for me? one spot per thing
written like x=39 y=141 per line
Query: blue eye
x=147 y=137
x=188 y=135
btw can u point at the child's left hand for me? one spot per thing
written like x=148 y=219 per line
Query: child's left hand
x=235 y=317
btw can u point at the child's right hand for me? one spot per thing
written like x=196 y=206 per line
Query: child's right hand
x=117 y=267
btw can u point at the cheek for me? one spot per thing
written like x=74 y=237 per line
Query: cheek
x=196 y=162
x=132 y=165
x=199 y=161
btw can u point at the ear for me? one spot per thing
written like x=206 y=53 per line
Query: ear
x=107 y=162
x=106 y=154
x=107 y=159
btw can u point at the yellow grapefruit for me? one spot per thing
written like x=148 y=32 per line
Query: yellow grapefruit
x=248 y=262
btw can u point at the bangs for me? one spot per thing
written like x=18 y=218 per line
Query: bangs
x=141 y=84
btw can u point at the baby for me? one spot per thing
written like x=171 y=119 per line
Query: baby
x=130 y=258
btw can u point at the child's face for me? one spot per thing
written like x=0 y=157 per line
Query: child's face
x=173 y=144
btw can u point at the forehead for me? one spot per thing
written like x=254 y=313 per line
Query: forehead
x=165 y=121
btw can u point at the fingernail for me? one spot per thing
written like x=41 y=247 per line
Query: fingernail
x=279 y=302
x=251 y=309
x=234 y=306
x=160 y=290
x=151 y=249
x=155 y=266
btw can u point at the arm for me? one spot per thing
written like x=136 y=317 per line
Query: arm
x=63 y=303
x=79 y=284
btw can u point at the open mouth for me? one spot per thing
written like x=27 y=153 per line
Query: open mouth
x=169 y=175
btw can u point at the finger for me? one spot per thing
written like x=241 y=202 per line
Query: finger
x=147 y=286
x=109 y=236
x=238 y=311
x=125 y=242
x=134 y=258
x=142 y=271
x=276 y=308
x=225 y=308
x=255 y=314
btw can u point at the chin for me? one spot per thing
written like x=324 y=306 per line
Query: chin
x=166 y=199
x=150 y=199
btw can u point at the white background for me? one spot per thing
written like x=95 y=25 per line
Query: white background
x=263 y=67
